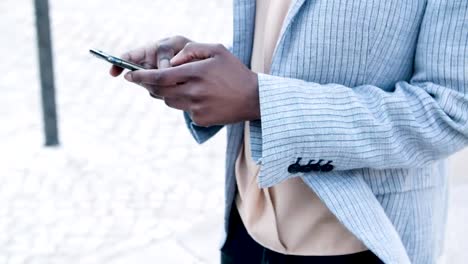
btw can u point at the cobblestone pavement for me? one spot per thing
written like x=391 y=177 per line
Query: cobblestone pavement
x=128 y=184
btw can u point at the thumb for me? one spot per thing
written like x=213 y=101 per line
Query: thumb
x=194 y=52
x=164 y=54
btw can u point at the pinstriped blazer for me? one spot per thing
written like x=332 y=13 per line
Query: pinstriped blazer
x=377 y=87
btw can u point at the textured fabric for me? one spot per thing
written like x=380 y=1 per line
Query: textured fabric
x=379 y=87
x=288 y=217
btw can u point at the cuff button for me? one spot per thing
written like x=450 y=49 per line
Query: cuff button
x=296 y=167
x=327 y=167
x=308 y=168
x=316 y=166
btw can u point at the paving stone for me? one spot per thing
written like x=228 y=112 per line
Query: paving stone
x=107 y=190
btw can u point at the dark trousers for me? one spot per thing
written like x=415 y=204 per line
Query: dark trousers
x=240 y=248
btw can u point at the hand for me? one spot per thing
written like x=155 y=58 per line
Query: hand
x=208 y=82
x=155 y=56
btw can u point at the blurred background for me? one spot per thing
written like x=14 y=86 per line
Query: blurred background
x=127 y=184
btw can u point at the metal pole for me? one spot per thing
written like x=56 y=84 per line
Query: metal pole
x=46 y=68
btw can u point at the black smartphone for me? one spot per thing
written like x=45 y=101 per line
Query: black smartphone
x=116 y=61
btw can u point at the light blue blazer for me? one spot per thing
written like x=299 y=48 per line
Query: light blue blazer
x=377 y=89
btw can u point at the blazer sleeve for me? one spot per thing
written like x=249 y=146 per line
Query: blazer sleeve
x=419 y=121
x=199 y=133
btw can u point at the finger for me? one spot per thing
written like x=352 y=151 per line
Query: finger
x=177 y=103
x=196 y=51
x=163 y=77
x=115 y=71
x=152 y=90
x=167 y=48
x=136 y=56
x=165 y=52
x=182 y=91
x=159 y=91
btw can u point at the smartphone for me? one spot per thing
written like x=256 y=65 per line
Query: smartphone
x=116 y=61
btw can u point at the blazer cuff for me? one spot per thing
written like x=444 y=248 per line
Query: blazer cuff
x=255 y=129
x=199 y=133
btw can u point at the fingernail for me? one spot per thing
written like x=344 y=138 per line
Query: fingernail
x=164 y=63
x=128 y=77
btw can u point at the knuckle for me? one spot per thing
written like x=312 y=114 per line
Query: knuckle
x=198 y=117
x=164 y=48
x=190 y=46
x=219 y=48
x=198 y=120
x=196 y=70
x=202 y=70
x=169 y=102
x=132 y=55
x=178 y=38
x=192 y=72
x=196 y=113
x=194 y=95
x=173 y=102
x=203 y=122
x=126 y=56
x=158 y=77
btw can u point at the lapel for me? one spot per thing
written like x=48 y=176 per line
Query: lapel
x=293 y=10
x=244 y=25
x=292 y=13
